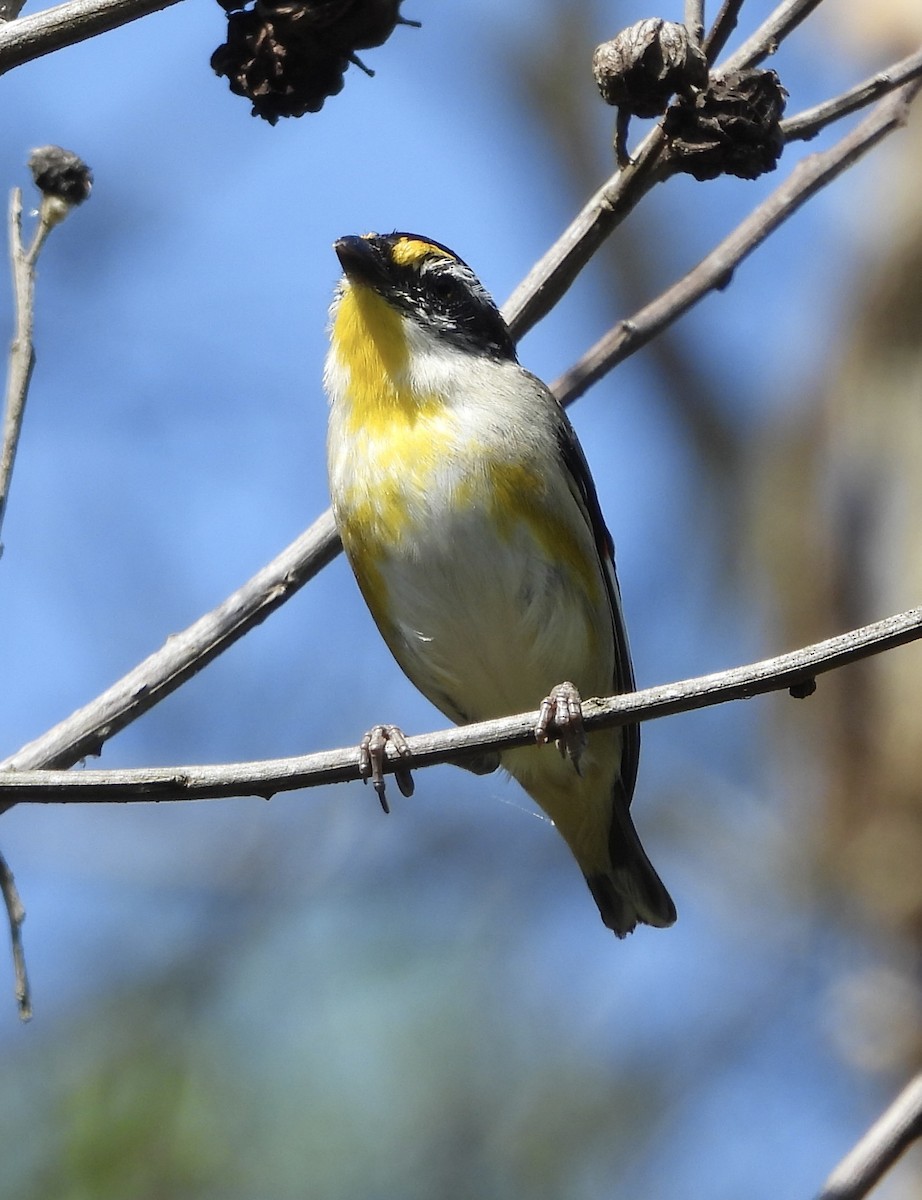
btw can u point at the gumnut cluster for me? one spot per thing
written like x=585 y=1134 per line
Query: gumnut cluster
x=288 y=56
x=718 y=124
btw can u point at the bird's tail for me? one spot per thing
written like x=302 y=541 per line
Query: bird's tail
x=630 y=892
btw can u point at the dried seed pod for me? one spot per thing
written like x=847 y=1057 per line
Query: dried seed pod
x=60 y=174
x=288 y=56
x=642 y=68
x=731 y=128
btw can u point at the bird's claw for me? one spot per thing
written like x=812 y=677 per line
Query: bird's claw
x=373 y=755
x=561 y=717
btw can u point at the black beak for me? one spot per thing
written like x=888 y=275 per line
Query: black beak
x=362 y=261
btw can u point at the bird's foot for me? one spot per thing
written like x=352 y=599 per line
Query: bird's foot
x=561 y=718
x=374 y=753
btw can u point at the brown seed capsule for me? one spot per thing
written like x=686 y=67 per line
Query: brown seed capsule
x=646 y=64
x=288 y=56
x=60 y=174
x=731 y=128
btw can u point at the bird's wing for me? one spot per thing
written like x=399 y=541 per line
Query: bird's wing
x=584 y=490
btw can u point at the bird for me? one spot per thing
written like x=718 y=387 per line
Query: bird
x=471 y=522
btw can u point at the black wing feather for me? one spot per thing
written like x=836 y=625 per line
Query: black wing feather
x=575 y=461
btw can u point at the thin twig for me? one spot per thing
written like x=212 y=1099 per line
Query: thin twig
x=22 y=349
x=716 y=269
x=40 y=33
x=889 y=1137
x=796 y=670
x=721 y=29
x=694 y=20
x=551 y=277
x=770 y=34
x=183 y=654
x=16 y=914
x=805 y=125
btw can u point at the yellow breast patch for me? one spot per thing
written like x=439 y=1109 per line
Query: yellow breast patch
x=370 y=344
x=519 y=495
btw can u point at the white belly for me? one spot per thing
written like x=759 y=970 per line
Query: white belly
x=484 y=624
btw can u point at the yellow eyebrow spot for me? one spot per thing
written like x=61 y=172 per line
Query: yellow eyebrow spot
x=408 y=251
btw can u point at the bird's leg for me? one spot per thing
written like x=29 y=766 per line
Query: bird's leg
x=373 y=754
x=561 y=718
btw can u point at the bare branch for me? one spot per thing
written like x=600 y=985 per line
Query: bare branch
x=16 y=914
x=795 y=671
x=715 y=271
x=22 y=349
x=552 y=275
x=808 y=123
x=770 y=34
x=183 y=654
x=722 y=28
x=40 y=33
x=694 y=20
x=874 y=1155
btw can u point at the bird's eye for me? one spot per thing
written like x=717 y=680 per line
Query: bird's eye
x=444 y=287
